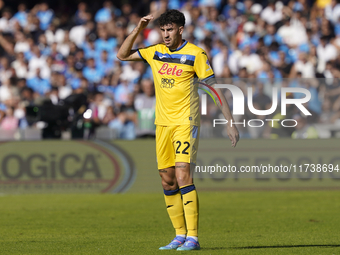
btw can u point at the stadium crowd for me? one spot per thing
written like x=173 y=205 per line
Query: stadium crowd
x=45 y=55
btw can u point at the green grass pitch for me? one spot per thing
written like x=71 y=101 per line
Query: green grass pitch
x=261 y=222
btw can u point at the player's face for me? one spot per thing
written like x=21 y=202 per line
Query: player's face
x=172 y=35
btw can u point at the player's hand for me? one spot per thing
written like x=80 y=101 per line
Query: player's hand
x=233 y=135
x=144 y=22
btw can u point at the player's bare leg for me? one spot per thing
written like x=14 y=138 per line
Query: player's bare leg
x=169 y=181
x=190 y=205
x=174 y=203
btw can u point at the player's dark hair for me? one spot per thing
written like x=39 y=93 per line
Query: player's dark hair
x=171 y=16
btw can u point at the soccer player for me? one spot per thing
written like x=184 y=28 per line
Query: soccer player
x=174 y=64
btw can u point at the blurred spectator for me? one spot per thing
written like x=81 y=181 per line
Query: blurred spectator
x=45 y=15
x=250 y=38
x=38 y=84
x=271 y=36
x=105 y=87
x=6 y=92
x=303 y=66
x=54 y=35
x=63 y=89
x=145 y=106
x=273 y=12
x=9 y=122
x=125 y=123
x=303 y=130
x=21 y=15
x=37 y=61
x=91 y=73
x=21 y=43
x=220 y=61
x=122 y=91
x=109 y=116
x=332 y=11
x=105 y=14
x=124 y=127
x=78 y=33
x=292 y=35
x=99 y=107
x=233 y=4
x=63 y=47
x=104 y=64
x=80 y=61
x=6 y=21
x=27 y=96
x=81 y=15
x=251 y=61
x=325 y=52
x=104 y=42
x=6 y=71
x=328 y=115
x=54 y=95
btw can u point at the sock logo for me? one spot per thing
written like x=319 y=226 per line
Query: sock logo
x=169 y=206
x=187 y=202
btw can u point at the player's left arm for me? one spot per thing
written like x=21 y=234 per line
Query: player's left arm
x=231 y=129
x=204 y=71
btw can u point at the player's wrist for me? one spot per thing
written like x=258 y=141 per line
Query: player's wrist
x=137 y=30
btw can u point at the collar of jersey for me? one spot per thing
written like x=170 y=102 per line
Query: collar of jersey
x=180 y=47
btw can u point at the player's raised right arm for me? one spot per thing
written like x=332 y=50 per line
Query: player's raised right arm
x=125 y=53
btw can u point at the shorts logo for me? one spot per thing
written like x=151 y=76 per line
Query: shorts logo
x=183 y=59
x=165 y=69
x=167 y=83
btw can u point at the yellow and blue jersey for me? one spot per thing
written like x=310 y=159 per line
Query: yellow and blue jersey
x=177 y=100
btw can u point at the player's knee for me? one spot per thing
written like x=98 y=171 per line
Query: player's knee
x=166 y=180
x=169 y=184
x=168 y=176
x=184 y=179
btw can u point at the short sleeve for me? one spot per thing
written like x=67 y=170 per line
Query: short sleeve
x=202 y=66
x=147 y=53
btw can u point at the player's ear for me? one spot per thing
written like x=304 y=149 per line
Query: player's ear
x=181 y=29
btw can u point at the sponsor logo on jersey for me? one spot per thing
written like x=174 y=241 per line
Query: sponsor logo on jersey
x=165 y=69
x=167 y=83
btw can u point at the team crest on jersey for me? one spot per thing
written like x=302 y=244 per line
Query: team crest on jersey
x=183 y=59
